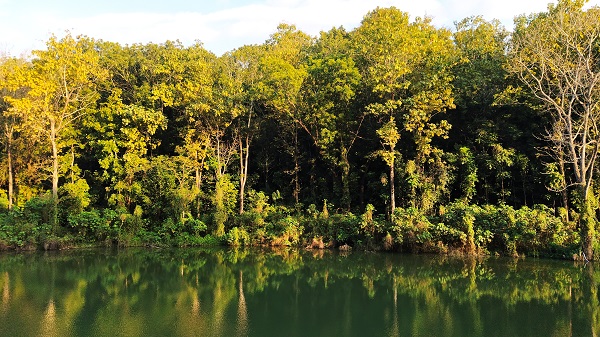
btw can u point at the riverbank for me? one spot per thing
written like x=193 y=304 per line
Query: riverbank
x=458 y=229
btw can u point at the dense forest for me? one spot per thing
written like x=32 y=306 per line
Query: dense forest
x=396 y=135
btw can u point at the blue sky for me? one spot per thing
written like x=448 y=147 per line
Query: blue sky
x=221 y=25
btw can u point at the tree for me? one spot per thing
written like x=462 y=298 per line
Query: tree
x=243 y=80
x=406 y=66
x=495 y=130
x=22 y=144
x=556 y=54
x=61 y=87
x=284 y=74
x=329 y=114
x=11 y=119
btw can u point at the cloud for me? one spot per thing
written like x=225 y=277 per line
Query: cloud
x=235 y=23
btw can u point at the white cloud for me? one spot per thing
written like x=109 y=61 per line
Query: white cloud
x=233 y=27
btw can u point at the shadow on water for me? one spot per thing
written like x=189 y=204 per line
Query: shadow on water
x=264 y=292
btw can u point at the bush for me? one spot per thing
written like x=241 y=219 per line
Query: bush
x=286 y=231
x=410 y=228
x=529 y=231
x=73 y=198
x=458 y=228
x=346 y=229
x=188 y=240
x=238 y=237
x=96 y=225
x=37 y=210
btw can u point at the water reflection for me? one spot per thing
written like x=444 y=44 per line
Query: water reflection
x=5 y=291
x=219 y=292
x=49 y=327
x=242 y=315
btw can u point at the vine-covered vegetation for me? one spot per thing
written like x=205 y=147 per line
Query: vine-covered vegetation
x=395 y=135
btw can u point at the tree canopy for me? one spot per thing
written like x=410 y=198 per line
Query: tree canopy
x=415 y=127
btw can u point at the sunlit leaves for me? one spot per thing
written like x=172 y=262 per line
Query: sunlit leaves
x=557 y=56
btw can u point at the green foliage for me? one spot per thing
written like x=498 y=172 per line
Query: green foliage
x=98 y=225
x=285 y=231
x=224 y=202
x=410 y=228
x=457 y=228
x=27 y=227
x=161 y=144
x=238 y=237
x=74 y=198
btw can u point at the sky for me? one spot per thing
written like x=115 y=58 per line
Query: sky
x=221 y=25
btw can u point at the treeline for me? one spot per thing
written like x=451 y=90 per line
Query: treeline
x=386 y=136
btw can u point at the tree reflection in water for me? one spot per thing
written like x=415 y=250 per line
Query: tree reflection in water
x=263 y=292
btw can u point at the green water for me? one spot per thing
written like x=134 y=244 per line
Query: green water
x=221 y=292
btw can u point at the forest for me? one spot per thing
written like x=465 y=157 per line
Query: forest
x=396 y=135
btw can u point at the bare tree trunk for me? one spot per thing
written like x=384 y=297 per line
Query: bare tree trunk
x=392 y=189
x=198 y=189
x=563 y=192
x=10 y=177
x=72 y=165
x=244 y=145
x=296 y=168
x=346 y=200
x=54 y=160
x=9 y=163
x=54 y=218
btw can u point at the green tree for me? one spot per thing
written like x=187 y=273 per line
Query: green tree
x=11 y=119
x=329 y=112
x=284 y=73
x=61 y=89
x=412 y=83
x=556 y=54
x=496 y=131
x=244 y=77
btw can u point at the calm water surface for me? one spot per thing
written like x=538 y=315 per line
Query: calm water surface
x=222 y=292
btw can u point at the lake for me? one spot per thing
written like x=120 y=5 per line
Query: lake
x=264 y=292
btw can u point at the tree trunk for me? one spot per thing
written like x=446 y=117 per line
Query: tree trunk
x=198 y=189
x=244 y=157
x=588 y=224
x=563 y=192
x=54 y=219
x=565 y=202
x=346 y=200
x=392 y=189
x=296 y=168
x=10 y=170
x=198 y=175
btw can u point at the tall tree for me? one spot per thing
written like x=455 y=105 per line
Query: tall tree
x=328 y=111
x=406 y=66
x=61 y=88
x=556 y=54
x=244 y=78
x=284 y=73
x=11 y=119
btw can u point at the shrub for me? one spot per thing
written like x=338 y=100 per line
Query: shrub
x=94 y=224
x=73 y=198
x=238 y=237
x=459 y=228
x=345 y=228
x=410 y=228
x=285 y=231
